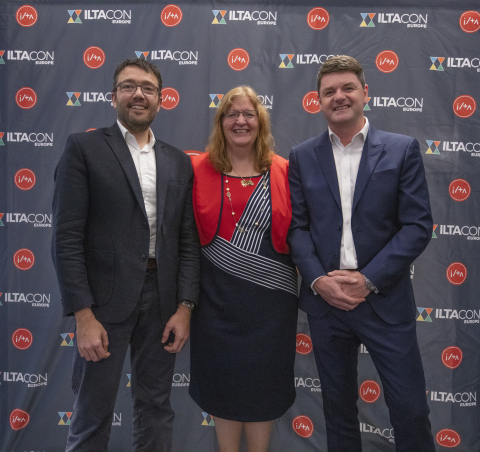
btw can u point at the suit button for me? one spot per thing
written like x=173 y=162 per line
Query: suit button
x=144 y=224
x=335 y=255
x=143 y=257
x=339 y=226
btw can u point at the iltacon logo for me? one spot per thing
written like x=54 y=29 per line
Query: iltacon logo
x=26 y=16
x=318 y=18
x=464 y=106
x=74 y=13
x=65 y=417
x=310 y=102
x=448 y=438
x=286 y=60
x=437 y=63
x=19 y=419
x=366 y=107
x=25 y=179
x=367 y=19
x=207 y=419
x=459 y=190
x=23 y=259
x=369 y=391
x=170 y=98
x=22 y=338
x=238 y=59
x=452 y=357
x=435 y=148
x=219 y=17
x=73 y=101
x=457 y=273
x=140 y=54
x=423 y=314
x=94 y=57
x=387 y=61
x=304 y=344
x=215 y=100
x=1 y=138
x=67 y=339
x=1 y=57
x=26 y=98
x=470 y=21
x=303 y=426
x=171 y=15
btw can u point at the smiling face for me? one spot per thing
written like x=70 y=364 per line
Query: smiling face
x=240 y=133
x=342 y=99
x=136 y=111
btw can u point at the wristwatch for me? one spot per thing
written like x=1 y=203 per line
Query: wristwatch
x=187 y=304
x=370 y=286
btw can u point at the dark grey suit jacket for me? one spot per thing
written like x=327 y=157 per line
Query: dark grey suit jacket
x=101 y=233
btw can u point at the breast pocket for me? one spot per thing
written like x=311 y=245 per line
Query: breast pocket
x=392 y=172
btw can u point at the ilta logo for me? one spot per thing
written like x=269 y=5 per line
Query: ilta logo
x=1 y=139
x=73 y=101
x=452 y=357
x=25 y=179
x=286 y=58
x=26 y=16
x=19 y=419
x=304 y=344
x=470 y=21
x=171 y=15
x=434 y=66
x=67 y=339
x=26 y=98
x=366 y=107
x=457 y=273
x=464 y=106
x=215 y=100
x=140 y=54
x=459 y=189
x=22 y=338
x=1 y=56
x=207 y=419
x=303 y=426
x=23 y=259
x=94 y=57
x=448 y=438
x=424 y=314
x=238 y=59
x=216 y=20
x=65 y=417
x=387 y=61
x=310 y=102
x=129 y=384
x=77 y=16
x=170 y=98
x=435 y=148
x=318 y=18
x=369 y=391
x=370 y=17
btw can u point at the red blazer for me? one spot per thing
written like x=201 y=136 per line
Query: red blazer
x=207 y=200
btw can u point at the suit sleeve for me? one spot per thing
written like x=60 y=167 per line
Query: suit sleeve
x=415 y=224
x=70 y=211
x=301 y=245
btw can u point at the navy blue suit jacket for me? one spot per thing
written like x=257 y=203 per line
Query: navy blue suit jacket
x=391 y=219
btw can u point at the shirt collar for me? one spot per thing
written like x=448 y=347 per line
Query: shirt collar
x=362 y=134
x=130 y=139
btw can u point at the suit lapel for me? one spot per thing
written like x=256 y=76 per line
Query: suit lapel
x=162 y=162
x=119 y=147
x=372 y=150
x=326 y=161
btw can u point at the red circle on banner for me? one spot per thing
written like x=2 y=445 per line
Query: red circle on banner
x=238 y=59
x=318 y=18
x=459 y=189
x=303 y=426
x=310 y=102
x=192 y=152
x=26 y=16
x=369 y=391
x=464 y=106
x=24 y=259
x=26 y=98
x=25 y=179
x=457 y=273
x=387 y=61
x=171 y=15
x=448 y=438
x=19 y=419
x=92 y=128
x=304 y=344
x=94 y=57
x=452 y=357
x=170 y=98
x=470 y=21
x=22 y=338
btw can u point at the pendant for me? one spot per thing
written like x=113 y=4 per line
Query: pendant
x=246 y=183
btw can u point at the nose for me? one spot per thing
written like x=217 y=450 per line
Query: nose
x=339 y=94
x=241 y=119
x=138 y=92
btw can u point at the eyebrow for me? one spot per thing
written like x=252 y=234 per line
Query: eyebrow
x=129 y=80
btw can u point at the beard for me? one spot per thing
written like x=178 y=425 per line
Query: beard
x=133 y=124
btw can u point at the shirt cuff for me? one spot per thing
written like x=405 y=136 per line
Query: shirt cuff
x=314 y=281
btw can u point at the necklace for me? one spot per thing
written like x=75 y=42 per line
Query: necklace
x=245 y=183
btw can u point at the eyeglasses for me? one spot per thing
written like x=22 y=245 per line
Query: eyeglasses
x=130 y=88
x=248 y=115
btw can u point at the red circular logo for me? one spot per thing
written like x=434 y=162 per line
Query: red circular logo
x=452 y=357
x=25 y=179
x=369 y=391
x=457 y=273
x=26 y=15
x=310 y=102
x=22 y=338
x=94 y=57
x=192 y=153
x=303 y=426
x=448 y=438
x=24 y=259
x=470 y=21
x=170 y=98
x=19 y=419
x=304 y=344
x=387 y=61
x=459 y=189
x=238 y=59
x=464 y=106
x=171 y=15
x=26 y=98
x=318 y=18
x=92 y=128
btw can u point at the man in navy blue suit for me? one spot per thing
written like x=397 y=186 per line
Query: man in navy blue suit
x=361 y=216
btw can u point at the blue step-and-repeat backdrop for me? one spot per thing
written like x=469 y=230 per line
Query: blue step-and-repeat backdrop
x=422 y=65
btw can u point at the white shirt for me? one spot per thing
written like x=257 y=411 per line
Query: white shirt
x=145 y=164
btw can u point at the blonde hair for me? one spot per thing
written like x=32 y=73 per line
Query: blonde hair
x=264 y=143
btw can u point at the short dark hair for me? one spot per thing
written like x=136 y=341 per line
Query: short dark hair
x=341 y=63
x=142 y=64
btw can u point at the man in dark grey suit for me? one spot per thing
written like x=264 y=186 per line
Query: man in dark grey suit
x=126 y=252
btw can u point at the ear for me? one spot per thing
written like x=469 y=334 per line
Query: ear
x=365 y=94
x=114 y=99
x=159 y=102
x=319 y=101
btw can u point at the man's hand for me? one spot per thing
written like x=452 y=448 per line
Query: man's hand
x=333 y=289
x=179 y=325
x=359 y=289
x=92 y=339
